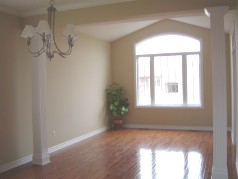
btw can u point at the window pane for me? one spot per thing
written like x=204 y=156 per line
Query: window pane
x=168 y=80
x=143 y=81
x=167 y=44
x=193 y=80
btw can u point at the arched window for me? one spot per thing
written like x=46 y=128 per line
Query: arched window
x=168 y=71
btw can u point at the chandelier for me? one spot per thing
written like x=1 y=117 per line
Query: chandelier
x=45 y=31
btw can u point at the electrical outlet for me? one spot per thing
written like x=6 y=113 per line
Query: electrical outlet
x=54 y=133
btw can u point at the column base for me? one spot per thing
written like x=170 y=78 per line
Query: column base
x=219 y=173
x=41 y=159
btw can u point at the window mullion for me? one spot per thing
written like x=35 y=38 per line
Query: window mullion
x=184 y=73
x=152 y=80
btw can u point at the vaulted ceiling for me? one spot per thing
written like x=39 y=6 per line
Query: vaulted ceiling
x=106 y=31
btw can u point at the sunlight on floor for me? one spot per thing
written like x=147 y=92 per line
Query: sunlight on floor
x=170 y=164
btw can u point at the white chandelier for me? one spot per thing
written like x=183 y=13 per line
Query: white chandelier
x=45 y=30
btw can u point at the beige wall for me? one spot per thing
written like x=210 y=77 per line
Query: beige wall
x=75 y=90
x=15 y=90
x=123 y=72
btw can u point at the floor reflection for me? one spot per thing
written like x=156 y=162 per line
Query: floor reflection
x=195 y=165
x=163 y=164
x=169 y=164
x=146 y=163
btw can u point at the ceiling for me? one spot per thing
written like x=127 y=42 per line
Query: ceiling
x=33 y=7
x=106 y=31
x=113 y=31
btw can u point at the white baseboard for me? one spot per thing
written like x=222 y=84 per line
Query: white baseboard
x=15 y=163
x=28 y=158
x=165 y=127
x=236 y=167
x=146 y=126
x=75 y=140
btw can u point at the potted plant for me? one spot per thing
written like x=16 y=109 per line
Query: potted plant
x=117 y=104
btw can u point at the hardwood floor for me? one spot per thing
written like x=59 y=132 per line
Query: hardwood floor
x=128 y=153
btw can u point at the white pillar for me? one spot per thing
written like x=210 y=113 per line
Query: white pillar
x=234 y=83
x=40 y=147
x=219 y=168
x=236 y=96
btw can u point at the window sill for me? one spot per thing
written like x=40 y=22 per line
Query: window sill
x=172 y=106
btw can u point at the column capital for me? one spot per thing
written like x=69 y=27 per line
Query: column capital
x=222 y=10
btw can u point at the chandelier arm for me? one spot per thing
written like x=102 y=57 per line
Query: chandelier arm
x=70 y=43
x=39 y=52
x=68 y=51
x=36 y=54
x=62 y=54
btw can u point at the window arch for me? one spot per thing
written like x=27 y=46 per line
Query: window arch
x=167 y=44
x=168 y=71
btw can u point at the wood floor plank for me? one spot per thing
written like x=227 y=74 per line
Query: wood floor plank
x=131 y=153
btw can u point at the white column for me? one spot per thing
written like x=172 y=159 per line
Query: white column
x=40 y=147
x=219 y=168
x=236 y=96
x=233 y=84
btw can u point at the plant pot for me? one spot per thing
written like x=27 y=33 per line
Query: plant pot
x=118 y=123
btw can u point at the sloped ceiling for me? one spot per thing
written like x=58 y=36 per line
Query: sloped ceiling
x=106 y=31
x=114 y=31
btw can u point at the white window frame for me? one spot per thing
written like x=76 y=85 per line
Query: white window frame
x=184 y=66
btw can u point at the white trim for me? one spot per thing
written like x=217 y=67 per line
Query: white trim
x=219 y=173
x=236 y=167
x=41 y=158
x=166 y=127
x=77 y=139
x=15 y=163
x=233 y=68
x=28 y=158
x=184 y=74
x=186 y=106
x=74 y=5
